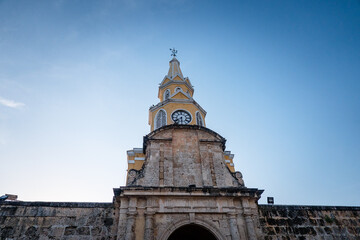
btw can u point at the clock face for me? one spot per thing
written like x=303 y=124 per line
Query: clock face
x=181 y=117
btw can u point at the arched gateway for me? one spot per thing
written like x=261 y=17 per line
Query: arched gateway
x=196 y=229
x=192 y=232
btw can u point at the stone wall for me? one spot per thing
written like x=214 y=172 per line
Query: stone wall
x=57 y=220
x=309 y=222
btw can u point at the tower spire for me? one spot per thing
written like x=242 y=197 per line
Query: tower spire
x=174 y=64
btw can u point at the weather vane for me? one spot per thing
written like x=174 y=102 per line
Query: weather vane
x=174 y=52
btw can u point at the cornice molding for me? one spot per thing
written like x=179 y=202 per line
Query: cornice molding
x=176 y=82
x=185 y=101
x=186 y=191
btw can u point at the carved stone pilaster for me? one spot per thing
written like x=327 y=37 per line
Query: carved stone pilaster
x=250 y=226
x=124 y=203
x=149 y=225
x=233 y=225
x=241 y=225
x=130 y=226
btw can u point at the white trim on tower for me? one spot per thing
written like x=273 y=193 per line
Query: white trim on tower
x=201 y=118
x=164 y=97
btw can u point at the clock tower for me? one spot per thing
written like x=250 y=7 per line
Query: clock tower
x=182 y=183
x=176 y=107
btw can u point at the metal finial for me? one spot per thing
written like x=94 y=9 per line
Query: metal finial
x=173 y=52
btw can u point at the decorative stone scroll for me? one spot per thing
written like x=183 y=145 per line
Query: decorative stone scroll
x=133 y=176
x=239 y=177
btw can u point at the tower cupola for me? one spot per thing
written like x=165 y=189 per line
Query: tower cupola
x=174 y=69
x=176 y=105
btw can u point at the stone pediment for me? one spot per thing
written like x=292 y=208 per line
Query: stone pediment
x=180 y=95
x=182 y=156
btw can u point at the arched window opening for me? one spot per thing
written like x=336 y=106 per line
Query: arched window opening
x=199 y=120
x=178 y=89
x=192 y=232
x=167 y=94
x=160 y=119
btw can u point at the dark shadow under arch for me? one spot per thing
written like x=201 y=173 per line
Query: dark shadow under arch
x=192 y=232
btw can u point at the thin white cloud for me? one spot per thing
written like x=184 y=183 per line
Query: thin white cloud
x=11 y=103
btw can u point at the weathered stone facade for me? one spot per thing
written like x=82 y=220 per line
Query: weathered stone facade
x=185 y=181
x=154 y=213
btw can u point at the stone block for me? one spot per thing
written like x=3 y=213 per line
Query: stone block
x=85 y=230
x=70 y=230
x=57 y=231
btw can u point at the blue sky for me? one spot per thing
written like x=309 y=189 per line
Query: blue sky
x=279 y=80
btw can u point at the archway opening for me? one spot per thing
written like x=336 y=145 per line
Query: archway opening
x=192 y=232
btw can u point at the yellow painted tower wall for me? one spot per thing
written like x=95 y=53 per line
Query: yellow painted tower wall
x=171 y=107
x=172 y=88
